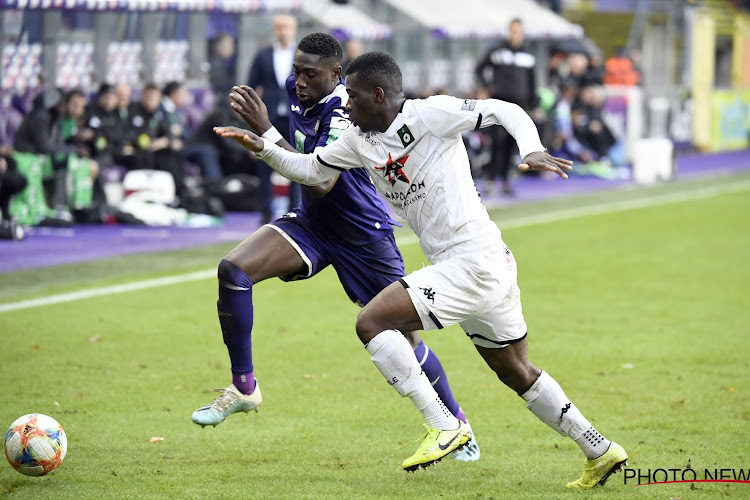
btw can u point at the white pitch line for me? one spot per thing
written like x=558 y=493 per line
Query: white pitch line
x=565 y=214
x=107 y=290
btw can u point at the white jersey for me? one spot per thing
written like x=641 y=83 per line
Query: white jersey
x=419 y=164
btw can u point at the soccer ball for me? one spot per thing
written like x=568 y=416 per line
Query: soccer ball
x=35 y=444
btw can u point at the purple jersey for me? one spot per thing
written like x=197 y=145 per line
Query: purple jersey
x=351 y=211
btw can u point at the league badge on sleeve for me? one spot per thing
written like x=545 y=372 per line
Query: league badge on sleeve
x=468 y=105
x=406 y=136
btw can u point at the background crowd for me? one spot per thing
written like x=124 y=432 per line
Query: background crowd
x=65 y=155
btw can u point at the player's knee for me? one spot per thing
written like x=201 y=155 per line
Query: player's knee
x=230 y=274
x=367 y=326
x=517 y=376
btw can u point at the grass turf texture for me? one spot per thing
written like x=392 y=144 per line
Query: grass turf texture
x=662 y=289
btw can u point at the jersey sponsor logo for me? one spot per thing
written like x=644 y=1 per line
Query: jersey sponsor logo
x=394 y=170
x=400 y=200
x=468 y=105
x=406 y=136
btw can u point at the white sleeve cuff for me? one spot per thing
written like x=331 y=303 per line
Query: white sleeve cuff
x=272 y=135
x=267 y=147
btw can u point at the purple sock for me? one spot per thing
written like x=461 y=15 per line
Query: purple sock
x=437 y=377
x=244 y=382
x=235 y=308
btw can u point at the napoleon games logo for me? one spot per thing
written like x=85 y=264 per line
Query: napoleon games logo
x=651 y=477
x=394 y=170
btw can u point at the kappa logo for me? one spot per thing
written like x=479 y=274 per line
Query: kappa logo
x=564 y=411
x=406 y=136
x=429 y=294
x=468 y=105
x=296 y=108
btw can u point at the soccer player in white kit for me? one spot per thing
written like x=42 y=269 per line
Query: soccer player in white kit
x=417 y=160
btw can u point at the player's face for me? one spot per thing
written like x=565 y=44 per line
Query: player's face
x=362 y=104
x=314 y=79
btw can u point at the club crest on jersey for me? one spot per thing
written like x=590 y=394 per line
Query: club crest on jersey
x=393 y=170
x=406 y=136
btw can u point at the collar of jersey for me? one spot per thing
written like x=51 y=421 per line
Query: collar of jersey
x=339 y=91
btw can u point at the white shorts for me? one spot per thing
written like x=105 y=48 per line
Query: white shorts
x=479 y=292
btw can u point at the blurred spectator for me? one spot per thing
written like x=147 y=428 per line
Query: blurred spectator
x=72 y=128
x=174 y=97
x=557 y=70
x=619 y=70
x=150 y=136
x=507 y=73
x=268 y=74
x=107 y=143
x=215 y=156
x=39 y=131
x=594 y=74
x=10 y=120
x=11 y=182
x=565 y=144
x=578 y=66
x=353 y=48
x=52 y=129
x=124 y=93
x=590 y=128
x=223 y=74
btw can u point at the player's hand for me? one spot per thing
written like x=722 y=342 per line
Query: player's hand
x=539 y=160
x=246 y=138
x=246 y=103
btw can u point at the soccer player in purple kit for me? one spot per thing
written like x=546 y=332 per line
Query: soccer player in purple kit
x=342 y=223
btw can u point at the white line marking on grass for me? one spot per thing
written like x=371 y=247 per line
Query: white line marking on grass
x=602 y=208
x=108 y=290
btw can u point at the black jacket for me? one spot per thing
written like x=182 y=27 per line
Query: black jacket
x=39 y=133
x=262 y=73
x=509 y=74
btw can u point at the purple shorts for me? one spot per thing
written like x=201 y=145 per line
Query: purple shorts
x=362 y=270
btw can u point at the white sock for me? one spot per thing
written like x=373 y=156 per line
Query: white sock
x=394 y=357
x=549 y=403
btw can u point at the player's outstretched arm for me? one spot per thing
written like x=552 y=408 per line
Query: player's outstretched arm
x=296 y=167
x=539 y=160
x=251 y=108
x=247 y=139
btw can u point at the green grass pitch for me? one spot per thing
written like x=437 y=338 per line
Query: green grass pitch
x=641 y=315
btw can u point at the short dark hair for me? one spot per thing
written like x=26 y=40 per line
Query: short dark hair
x=377 y=69
x=70 y=94
x=323 y=45
x=151 y=86
x=170 y=88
